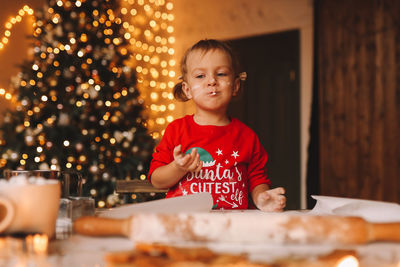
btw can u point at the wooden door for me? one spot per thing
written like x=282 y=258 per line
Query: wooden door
x=358 y=73
x=270 y=102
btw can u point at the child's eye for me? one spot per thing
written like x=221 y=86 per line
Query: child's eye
x=200 y=76
x=222 y=74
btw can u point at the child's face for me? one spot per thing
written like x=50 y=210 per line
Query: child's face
x=210 y=80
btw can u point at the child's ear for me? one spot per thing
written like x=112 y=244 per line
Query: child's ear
x=236 y=87
x=186 y=90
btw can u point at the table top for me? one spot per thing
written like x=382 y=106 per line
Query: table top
x=80 y=250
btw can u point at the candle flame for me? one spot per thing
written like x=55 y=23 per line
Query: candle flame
x=348 y=261
x=38 y=243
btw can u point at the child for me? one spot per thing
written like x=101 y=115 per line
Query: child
x=210 y=151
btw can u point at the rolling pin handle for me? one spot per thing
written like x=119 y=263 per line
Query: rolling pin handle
x=98 y=226
x=388 y=232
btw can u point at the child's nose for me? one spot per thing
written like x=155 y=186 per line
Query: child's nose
x=212 y=80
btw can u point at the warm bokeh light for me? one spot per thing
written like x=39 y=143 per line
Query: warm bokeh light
x=140 y=33
x=37 y=243
x=26 y=10
x=4 y=40
x=101 y=204
x=348 y=261
x=151 y=37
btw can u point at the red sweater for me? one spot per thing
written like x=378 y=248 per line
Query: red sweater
x=233 y=160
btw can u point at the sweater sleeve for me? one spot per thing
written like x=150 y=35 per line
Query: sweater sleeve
x=257 y=167
x=163 y=153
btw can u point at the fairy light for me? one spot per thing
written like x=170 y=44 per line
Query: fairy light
x=26 y=10
x=149 y=30
x=101 y=204
x=4 y=39
x=150 y=33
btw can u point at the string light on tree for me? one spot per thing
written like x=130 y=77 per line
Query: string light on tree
x=79 y=107
x=6 y=95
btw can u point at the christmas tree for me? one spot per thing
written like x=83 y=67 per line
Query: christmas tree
x=78 y=105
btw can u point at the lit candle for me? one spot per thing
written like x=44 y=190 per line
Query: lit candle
x=37 y=243
x=348 y=261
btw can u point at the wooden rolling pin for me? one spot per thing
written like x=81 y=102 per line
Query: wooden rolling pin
x=240 y=228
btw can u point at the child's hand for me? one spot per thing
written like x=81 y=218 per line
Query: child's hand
x=189 y=162
x=271 y=200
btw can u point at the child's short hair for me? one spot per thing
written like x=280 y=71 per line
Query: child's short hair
x=205 y=46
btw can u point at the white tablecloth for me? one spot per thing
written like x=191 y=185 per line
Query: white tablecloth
x=90 y=251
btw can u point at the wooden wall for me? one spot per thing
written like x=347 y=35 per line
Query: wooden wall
x=359 y=97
